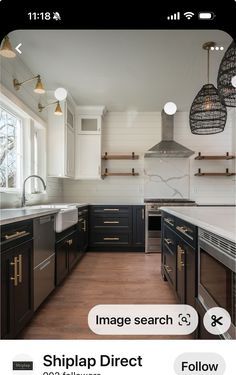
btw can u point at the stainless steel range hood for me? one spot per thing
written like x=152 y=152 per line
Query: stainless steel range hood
x=168 y=148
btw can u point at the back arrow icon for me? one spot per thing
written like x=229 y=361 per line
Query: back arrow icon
x=18 y=48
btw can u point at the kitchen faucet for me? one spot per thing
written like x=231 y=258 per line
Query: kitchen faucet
x=23 y=199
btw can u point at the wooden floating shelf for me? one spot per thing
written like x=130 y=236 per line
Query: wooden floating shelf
x=124 y=174
x=226 y=173
x=120 y=157
x=214 y=157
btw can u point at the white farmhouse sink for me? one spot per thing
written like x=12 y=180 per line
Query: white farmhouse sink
x=65 y=218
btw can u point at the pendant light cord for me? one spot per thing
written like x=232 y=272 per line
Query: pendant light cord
x=208 y=65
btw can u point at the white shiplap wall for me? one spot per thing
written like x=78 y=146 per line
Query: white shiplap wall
x=125 y=132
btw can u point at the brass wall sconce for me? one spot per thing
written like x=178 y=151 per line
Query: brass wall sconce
x=57 y=111
x=39 y=89
x=6 y=49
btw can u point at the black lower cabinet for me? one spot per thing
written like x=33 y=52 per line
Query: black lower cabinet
x=117 y=228
x=16 y=289
x=83 y=230
x=67 y=254
x=138 y=226
x=179 y=258
x=202 y=333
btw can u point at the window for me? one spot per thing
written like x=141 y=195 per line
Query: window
x=10 y=150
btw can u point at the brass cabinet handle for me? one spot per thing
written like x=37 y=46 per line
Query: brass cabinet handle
x=69 y=242
x=111 y=238
x=15 y=235
x=185 y=231
x=168 y=269
x=180 y=253
x=111 y=222
x=111 y=209
x=15 y=271
x=85 y=226
x=20 y=268
x=168 y=241
x=169 y=221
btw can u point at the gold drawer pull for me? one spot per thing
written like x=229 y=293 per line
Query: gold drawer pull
x=20 y=268
x=180 y=262
x=168 y=269
x=169 y=221
x=111 y=222
x=111 y=238
x=69 y=242
x=111 y=209
x=15 y=235
x=84 y=226
x=185 y=231
x=15 y=271
x=168 y=241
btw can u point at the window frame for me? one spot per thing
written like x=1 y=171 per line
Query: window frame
x=12 y=112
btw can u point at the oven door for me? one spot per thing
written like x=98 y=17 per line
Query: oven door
x=216 y=282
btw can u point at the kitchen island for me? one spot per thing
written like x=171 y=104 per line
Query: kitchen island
x=199 y=260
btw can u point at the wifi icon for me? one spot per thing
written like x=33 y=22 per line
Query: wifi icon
x=188 y=15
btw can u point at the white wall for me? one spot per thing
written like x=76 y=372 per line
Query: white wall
x=161 y=178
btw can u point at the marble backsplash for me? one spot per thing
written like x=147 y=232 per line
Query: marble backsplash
x=166 y=178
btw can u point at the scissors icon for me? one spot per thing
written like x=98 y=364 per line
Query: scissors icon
x=216 y=320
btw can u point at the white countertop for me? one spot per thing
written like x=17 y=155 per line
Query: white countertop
x=218 y=220
x=12 y=215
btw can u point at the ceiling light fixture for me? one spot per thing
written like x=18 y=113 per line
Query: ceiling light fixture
x=39 y=89
x=207 y=114
x=60 y=93
x=57 y=112
x=6 y=48
x=226 y=72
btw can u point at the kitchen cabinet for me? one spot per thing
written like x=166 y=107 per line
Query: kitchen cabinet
x=88 y=142
x=61 y=141
x=82 y=229
x=179 y=257
x=139 y=226
x=117 y=227
x=88 y=157
x=16 y=278
x=67 y=253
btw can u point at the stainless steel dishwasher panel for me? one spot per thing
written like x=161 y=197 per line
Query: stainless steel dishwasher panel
x=44 y=238
x=44 y=280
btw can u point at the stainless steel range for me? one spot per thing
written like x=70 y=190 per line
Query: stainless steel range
x=153 y=220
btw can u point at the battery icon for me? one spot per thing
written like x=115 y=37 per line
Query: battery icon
x=206 y=15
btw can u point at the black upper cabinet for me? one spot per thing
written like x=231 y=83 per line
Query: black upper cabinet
x=16 y=280
x=139 y=226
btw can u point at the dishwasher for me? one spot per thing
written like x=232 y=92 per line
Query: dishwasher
x=44 y=258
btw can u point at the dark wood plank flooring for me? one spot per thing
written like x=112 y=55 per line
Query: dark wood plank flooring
x=100 y=278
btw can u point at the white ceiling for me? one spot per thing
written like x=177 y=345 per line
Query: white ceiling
x=122 y=69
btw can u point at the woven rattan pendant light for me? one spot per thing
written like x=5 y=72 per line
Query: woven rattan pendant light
x=226 y=72
x=207 y=114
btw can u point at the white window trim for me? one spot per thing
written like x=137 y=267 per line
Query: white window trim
x=30 y=121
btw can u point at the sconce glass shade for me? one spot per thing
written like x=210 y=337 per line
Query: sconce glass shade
x=39 y=89
x=6 y=49
x=208 y=114
x=58 y=110
x=226 y=72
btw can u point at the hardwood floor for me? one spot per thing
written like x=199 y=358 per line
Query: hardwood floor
x=100 y=278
